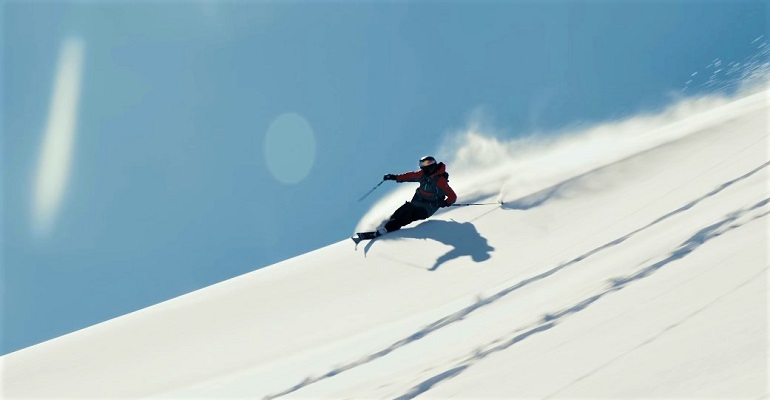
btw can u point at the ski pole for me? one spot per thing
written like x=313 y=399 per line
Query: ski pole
x=370 y=192
x=473 y=204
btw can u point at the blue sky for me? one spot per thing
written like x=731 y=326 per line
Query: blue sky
x=214 y=138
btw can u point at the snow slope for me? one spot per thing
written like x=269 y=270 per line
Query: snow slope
x=626 y=261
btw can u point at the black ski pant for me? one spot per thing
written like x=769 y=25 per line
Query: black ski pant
x=405 y=215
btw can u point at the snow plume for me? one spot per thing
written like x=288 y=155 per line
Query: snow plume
x=518 y=172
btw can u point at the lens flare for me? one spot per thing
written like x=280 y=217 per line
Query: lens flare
x=58 y=141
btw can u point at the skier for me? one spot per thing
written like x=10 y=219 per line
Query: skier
x=434 y=192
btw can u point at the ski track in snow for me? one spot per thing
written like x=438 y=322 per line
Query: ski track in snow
x=553 y=319
x=550 y=320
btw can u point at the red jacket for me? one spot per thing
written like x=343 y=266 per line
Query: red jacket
x=434 y=189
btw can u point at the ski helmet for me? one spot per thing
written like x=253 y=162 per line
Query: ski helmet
x=428 y=164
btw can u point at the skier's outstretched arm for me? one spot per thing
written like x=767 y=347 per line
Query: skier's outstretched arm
x=407 y=177
x=413 y=176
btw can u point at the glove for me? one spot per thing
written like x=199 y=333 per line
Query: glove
x=444 y=204
x=389 y=177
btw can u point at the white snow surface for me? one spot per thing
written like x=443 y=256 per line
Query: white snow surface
x=628 y=260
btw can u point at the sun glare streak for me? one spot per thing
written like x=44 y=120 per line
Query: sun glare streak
x=57 y=147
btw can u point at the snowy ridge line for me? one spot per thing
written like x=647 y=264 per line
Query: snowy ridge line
x=543 y=196
x=550 y=320
x=686 y=248
x=715 y=167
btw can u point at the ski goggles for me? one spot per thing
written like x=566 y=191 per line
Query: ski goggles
x=426 y=163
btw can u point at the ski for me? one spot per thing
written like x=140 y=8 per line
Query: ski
x=364 y=236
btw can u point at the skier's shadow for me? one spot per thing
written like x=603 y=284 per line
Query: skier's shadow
x=463 y=237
